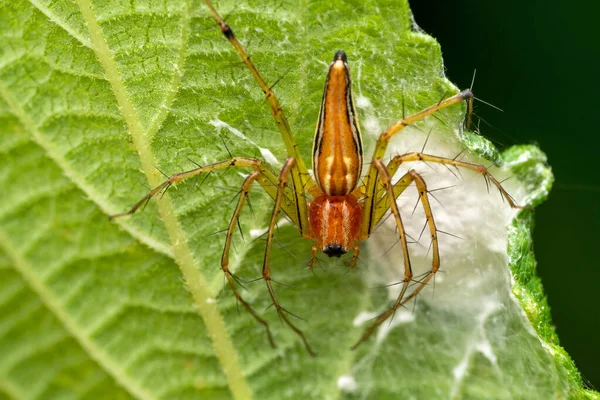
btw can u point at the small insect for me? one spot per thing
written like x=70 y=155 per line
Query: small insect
x=333 y=209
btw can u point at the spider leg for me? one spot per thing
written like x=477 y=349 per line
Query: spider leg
x=383 y=205
x=398 y=188
x=301 y=179
x=480 y=169
x=372 y=178
x=246 y=186
x=355 y=255
x=267 y=179
x=266 y=271
x=386 y=181
x=413 y=176
x=313 y=256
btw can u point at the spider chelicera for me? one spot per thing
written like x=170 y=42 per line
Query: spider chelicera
x=332 y=210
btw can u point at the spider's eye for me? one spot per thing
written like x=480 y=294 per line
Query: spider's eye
x=334 y=250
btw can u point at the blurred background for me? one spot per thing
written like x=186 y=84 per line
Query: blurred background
x=539 y=62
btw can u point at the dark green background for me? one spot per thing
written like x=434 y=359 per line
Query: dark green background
x=539 y=61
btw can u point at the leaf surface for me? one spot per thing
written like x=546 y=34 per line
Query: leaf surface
x=96 y=98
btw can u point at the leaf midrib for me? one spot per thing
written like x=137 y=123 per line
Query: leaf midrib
x=180 y=251
x=195 y=282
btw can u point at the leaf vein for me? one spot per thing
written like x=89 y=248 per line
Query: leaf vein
x=175 y=83
x=74 y=176
x=11 y=390
x=87 y=343
x=48 y=13
x=195 y=281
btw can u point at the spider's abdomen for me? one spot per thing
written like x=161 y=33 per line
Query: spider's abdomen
x=337 y=151
x=335 y=222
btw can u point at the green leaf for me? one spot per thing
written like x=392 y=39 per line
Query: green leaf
x=97 y=97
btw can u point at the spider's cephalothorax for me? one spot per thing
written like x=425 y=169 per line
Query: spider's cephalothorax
x=342 y=212
x=335 y=215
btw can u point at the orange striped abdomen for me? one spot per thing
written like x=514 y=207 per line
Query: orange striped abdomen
x=335 y=222
x=337 y=151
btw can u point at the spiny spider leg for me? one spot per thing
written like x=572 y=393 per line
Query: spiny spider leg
x=245 y=191
x=274 y=186
x=383 y=205
x=266 y=271
x=410 y=176
x=386 y=181
x=267 y=179
x=480 y=169
x=300 y=177
x=355 y=256
x=398 y=189
x=371 y=187
x=314 y=251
